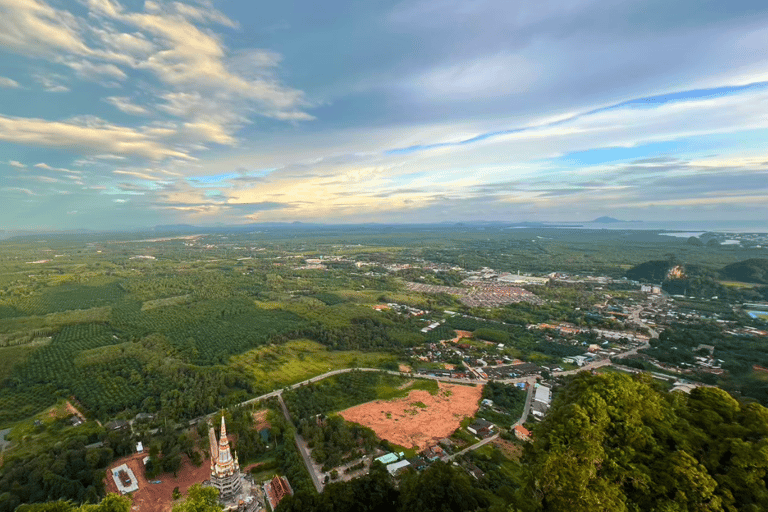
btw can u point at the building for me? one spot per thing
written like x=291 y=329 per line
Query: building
x=522 y=433
x=388 y=458
x=395 y=467
x=481 y=428
x=225 y=469
x=277 y=489
x=124 y=479
x=543 y=395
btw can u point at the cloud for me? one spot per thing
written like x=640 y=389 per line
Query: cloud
x=18 y=165
x=30 y=27
x=87 y=70
x=20 y=190
x=124 y=104
x=135 y=174
x=191 y=59
x=47 y=167
x=132 y=187
x=51 y=82
x=86 y=135
x=483 y=77
x=7 y=82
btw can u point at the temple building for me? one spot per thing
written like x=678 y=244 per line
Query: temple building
x=225 y=469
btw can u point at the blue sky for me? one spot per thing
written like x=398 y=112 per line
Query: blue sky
x=135 y=113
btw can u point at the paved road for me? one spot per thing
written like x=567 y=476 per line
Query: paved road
x=303 y=449
x=474 y=446
x=528 y=401
x=531 y=380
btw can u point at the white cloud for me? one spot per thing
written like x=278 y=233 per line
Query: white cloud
x=18 y=189
x=136 y=174
x=87 y=70
x=18 y=165
x=31 y=27
x=206 y=14
x=7 y=82
x=192 y=60
x=51 y=82
x=85 y=135
x=124 y=104
x=47 y=167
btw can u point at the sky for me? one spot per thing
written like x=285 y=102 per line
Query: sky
x=130 y=114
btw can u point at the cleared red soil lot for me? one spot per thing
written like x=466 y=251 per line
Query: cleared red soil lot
x=158 y=497
x=419 y=419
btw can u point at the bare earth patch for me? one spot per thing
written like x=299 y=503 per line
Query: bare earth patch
x=510 y=450
x=158 y=497
x=404 y=368
x=260 y=419
x=405 y=384
x=400 y=422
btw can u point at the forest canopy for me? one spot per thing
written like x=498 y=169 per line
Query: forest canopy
x=612 y=442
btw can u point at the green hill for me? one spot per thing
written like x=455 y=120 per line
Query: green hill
x=754 y=270
x=652 y=271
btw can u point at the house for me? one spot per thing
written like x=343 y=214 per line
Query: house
x=538 y=409
x=117 y=425
x=475 y=471
x=387 y=459
x=396 y=467
x=543 y=395
x=481 y=428
x=522 y=433
x=433 y=453
x=417 y=463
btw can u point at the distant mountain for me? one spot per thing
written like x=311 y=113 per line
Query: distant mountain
x=606 y=220
x=754 y=270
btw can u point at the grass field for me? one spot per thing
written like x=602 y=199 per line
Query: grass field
x=737 y=284
x=387 y=390
x=27 y=437
x=281 y=365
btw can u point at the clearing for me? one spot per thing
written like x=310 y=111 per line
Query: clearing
x=276 y=366
x=158 y=497
x=419 y=419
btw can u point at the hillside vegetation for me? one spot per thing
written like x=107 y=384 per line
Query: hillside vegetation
x=615 y=443
x=754 y=270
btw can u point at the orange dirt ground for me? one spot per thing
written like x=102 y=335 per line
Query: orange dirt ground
x=405 y=424
x=260 y=419
x=72 y=409
x=158 y=497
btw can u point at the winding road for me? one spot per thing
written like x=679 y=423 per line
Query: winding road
x=530 y=380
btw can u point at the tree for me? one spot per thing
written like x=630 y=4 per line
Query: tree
x=200 y=499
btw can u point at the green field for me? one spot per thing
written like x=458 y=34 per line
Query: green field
x=276 y=366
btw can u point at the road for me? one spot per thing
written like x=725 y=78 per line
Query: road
x=473 y=447
x=303 y=449
x=530 y=380
x=528 y=401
